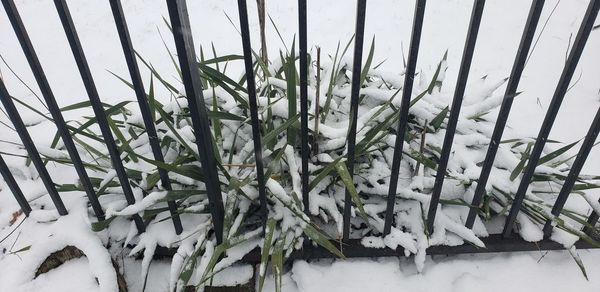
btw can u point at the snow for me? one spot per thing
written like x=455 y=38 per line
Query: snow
x=534 y=271
x=554 y=271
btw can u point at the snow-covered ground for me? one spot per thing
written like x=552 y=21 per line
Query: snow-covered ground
x=328 y=22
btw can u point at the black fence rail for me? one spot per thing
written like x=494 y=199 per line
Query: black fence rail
x=179 y=18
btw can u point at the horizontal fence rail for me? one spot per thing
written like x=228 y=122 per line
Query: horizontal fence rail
x=201 y=124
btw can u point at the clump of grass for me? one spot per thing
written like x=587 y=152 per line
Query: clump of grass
x=199 y=257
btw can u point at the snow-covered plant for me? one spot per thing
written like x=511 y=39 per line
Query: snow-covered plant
x=199 y=257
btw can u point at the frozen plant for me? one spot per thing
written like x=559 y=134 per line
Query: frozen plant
x=199 y=257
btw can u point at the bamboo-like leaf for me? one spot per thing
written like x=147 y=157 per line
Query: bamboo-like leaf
x=556 y=153
x=292 y=122
x=266 y=249
x=579 y=262
x=277 y=263
x=322 y=240
x=519 y=168
x=26 y=248
x=113 y=110
x=436 y=123
x=101 y=225
x=290 y=77
x=348 y=182
x=124 y=142
x=214 y=259
x=367 y=66
x=323 y=173
x=225 y=58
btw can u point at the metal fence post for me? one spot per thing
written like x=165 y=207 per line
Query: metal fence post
x=511 y=91
x=559 y=94
x=459 y=92
x=142 y=99
x=34 y=155
x=409 y=74
x=92 y=92
x=193 y=88
x=14 y=187
x=354 y=95
x=260 y=175
x=582 y=155
x=42 y=81
x=304 y=148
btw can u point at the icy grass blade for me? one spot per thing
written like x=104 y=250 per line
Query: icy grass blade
x=367 y=66
x=323 y=173
x=524 y=157
x=289 y=66
x=432 y=84
x=578 y=261
x=214 y=259
x=266 y=249
x=166 y=84
x=292 y=123
x=189 y=170
x=124 y=147
x=165 y=119
x=171 y=55
x=556 y=153
x=112 y=110
x=347 y=179
x=322 y=240
x=121 y=79
x=334 y=76
x=278 y=33
x=436 y=123
x=277 y=263
x=101 y=225
x=221 y=59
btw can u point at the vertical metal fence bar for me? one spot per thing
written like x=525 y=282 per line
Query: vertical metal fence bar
x=304 y=149
x=90 y=87
x=354 y=95
x=511 y=90
x=15 y=118
x=559 y=94
x=592 y=220
x=409 y=74
x=565 y=191
x=14 y=187
x=42 y=81
x=191 y=79
x=140 y=92
x=463 y=75
x=260 y=175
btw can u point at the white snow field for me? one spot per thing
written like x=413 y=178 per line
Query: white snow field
x=330 y=21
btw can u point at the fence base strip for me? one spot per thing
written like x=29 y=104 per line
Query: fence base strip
x=353 y=248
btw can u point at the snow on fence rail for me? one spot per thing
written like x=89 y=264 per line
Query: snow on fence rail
x=506 y=241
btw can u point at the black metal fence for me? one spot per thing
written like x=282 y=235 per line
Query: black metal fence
x=506 y=241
